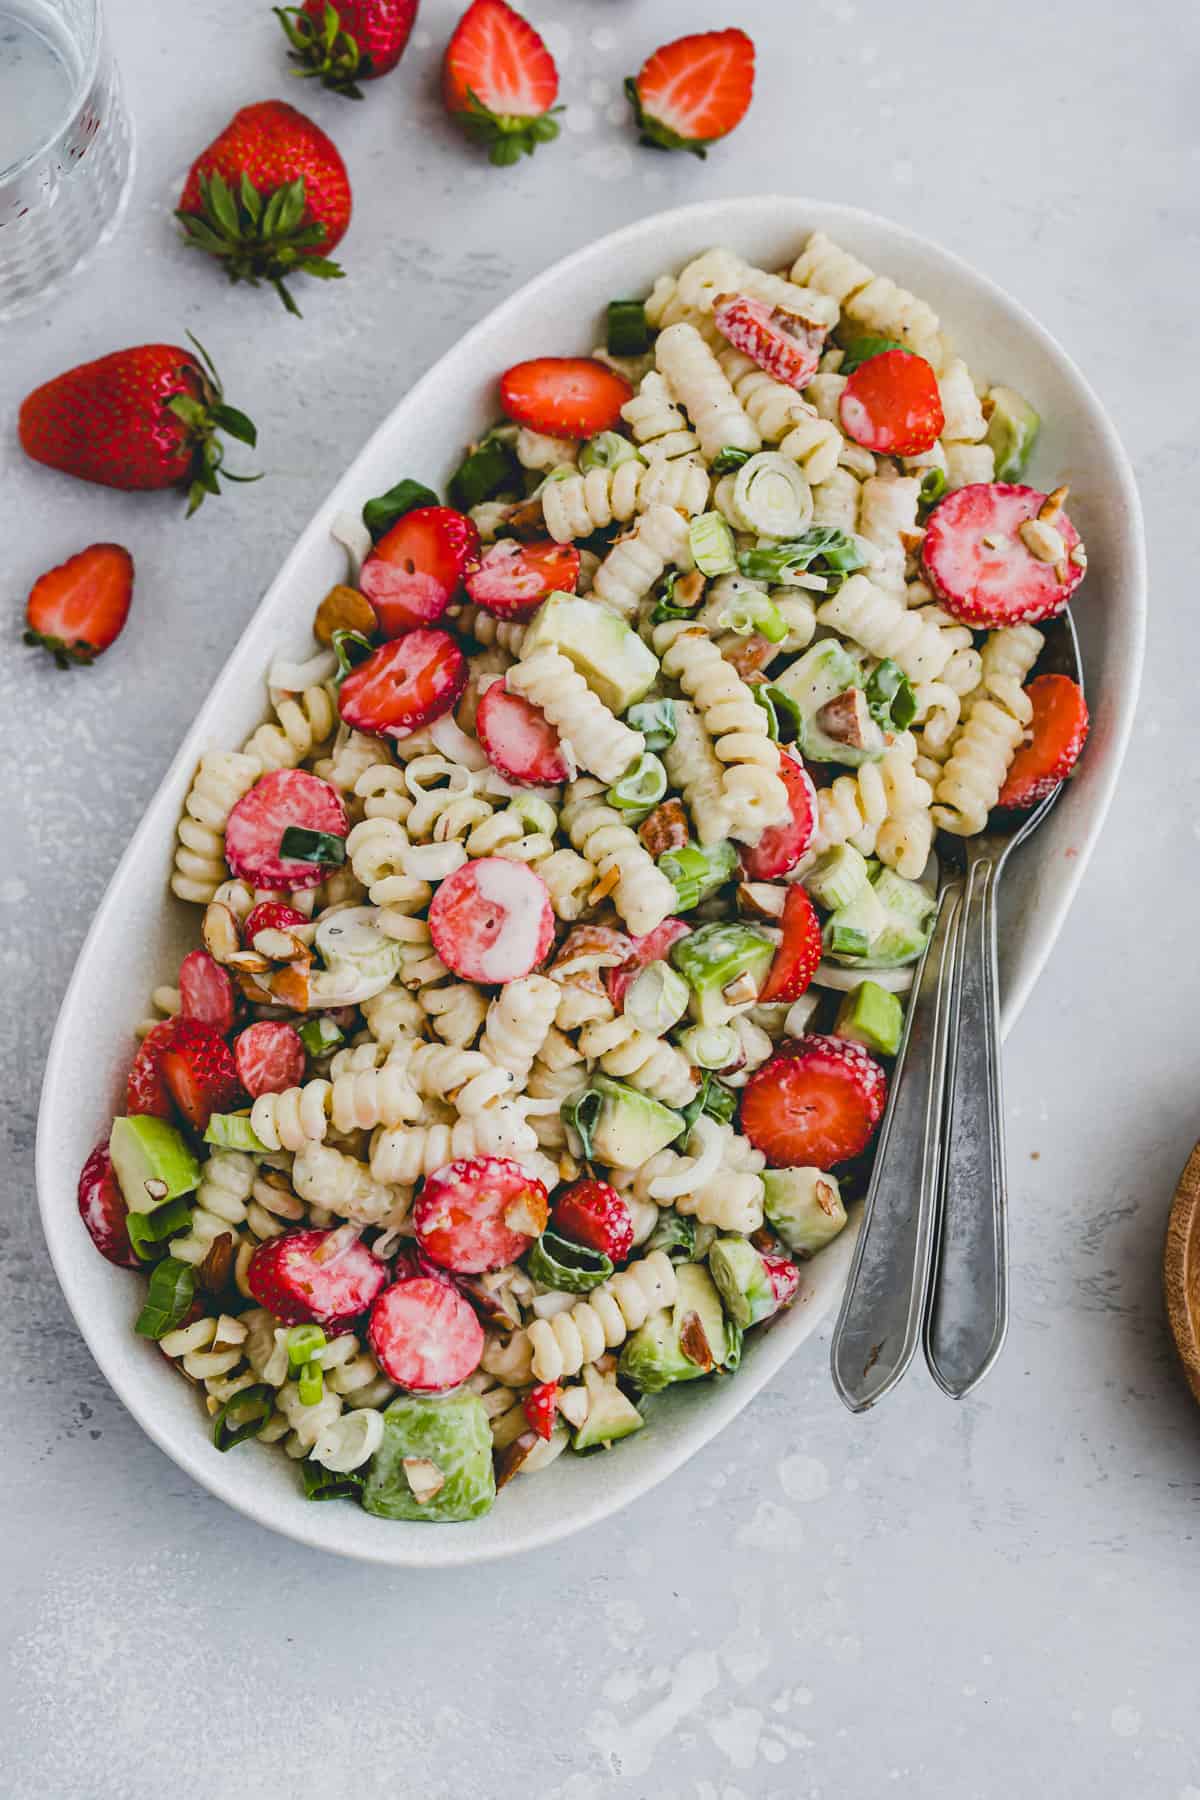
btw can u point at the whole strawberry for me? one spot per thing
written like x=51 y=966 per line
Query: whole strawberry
x=141 y=418
x=269 y=198
x=356 y=40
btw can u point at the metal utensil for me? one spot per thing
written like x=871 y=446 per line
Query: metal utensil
x=935 y=1215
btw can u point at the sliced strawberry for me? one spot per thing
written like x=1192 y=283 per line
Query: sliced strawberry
x=816 y=1103
x=200 y=1072
x=406 y=684
x=492 y=921
x=693 y=91
x=77 y=609
x=315 y=1277
x=416 y=568
x=519 y=739
x=540 y=1407
x=425 y=1336
x=1058 y=732
x=270 y=915
x=206 y=992
x=788 y=347
x=797 y=957
x=102 y=1209
x=479 y=1214
x=594 y=1214
x=283 y=799
x=780 y=847
x=653 y=947
x=511 y=580
x=499 y=82
x=270 y=1057
x=783 y=1275
x=145 y=1089
x=564 y=396
x=891 y=405
x=980 y=566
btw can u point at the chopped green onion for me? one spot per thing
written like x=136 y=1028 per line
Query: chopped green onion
x=709 y=1046
x=304 y=1344
x=311 y=1384
x=734 y=1338
x=324 y=1484
x=172 y=1290
x=848 y=940
x=641 y=787
x=380 y=514
x=656 y=998
x=696 y=871
x=674 y=1233
x=607 y=450
x=712 y=1097
x=933 y=486
x=836 y=550
x=786 y=708
x=726 y=461
x=571 y=1268
x=319 y=1036
x=890 y=698
x=861 y=350
x=233 y=1131
x=754 y=613
x=655 y=719
x=713 y=548
x=350 y=648
x=582 y=1114
x=536 y=815
x=665 y=607
x=298 y=844
x=628 y=331
x=492 y=465
x=148 y=1231
x=243 y=1416
x=762 y=698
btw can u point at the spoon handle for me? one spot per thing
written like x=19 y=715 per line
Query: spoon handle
x=879 y=1326
x=968 y=1313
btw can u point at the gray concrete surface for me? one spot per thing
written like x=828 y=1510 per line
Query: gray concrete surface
x=992 y=1600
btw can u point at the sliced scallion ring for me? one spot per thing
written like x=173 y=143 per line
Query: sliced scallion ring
x=628 y=330
x=582 y=1113
x=325 y=1484
x=320 y=1036
x=607 y=450
x=311 y=1384
x=655 y=719
x=380 y=514
x=304 y=1343
x=641 y=787
x=713 y=548
x=729 y=460
x=350 y=648
x=172 y=1290
x=243 y=1416
x=149 y=1231
x=656 y=998
x=571 y=1268
x=754 y=613
x=709 y=1046
x=771 y=494
x=492 y=465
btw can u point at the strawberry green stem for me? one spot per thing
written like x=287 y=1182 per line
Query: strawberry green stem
x=204 y=414
x=258 y=237
x=506 y=136
x=654 y=134
x=65 y=655
x=328 y=53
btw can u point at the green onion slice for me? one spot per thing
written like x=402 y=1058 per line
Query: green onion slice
x=754 y=613
x=324 y=1484
x=582 y=1113
x=380 y=514
x=298 y=844
x=571 y=1268
x=172 y=1290
x=641 y=787
x=933 y=486
x=665 y=607
x=730 y=459
x=848 y=940
x=492 y=465
x=311 y=1384
x=835 y=550
x=762 y=698
x=320 y=1036
x=890 y=698
x=734 y=1337
x=657 y=998
x=861 y=350
x=628 y=330
x=233 y=1131
x=148 y=1231
x=713 y=548
x=675 y=1234
x=695 y=870
x=350 y=648
x=709 y=1046
x=243 y=1416
x=655 y=719
x=787 y=709
x=304 y=1343
x=607 y=450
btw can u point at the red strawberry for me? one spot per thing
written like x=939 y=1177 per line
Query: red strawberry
x=652 y=947
x=783 y=1275
x=416 y=568
x=206 y=991
x=270 y=915
x=102 y=1209
x=780 y=847
x=594 y=1214
x=540 y=1406
x=492 y=921
x=519 y=739
x=816 y=1103
x=79 y=608
x=322 y=1277
x=693 y=91
x=404 y=685
x=269 y=197
x=511 y=580
x=564 y=396
x=980 y=566
x=479 y=1214
x=499 y=82
x=270 y=1057
x=785 y=345
x=352 y=41
x=797 y=957
x=425 y=1335
x=891 y=404
x=199 y=1070
x=1058 y=731
x=136 y=419
x=145 y=1089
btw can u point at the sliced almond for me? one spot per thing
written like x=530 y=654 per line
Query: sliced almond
x=825 y=1197
x=693 y=1341
x=528 y=1214
x=157 y=1190
x=424 y=1478
x=1079 y=556
x=213 y=1273
x=279 y=946
x=1043 y=540
x=219 y=932
x=1053 y=504
x=248 y=962
x=742 y=991
x=689 y=589
x=604 y=887
x=606 y=1364
x=665 y=829
x=574 y=1404
x=344 y=609
x=289 y=985
x=252 y=990
x=846 y=719
x=761 y=899
x=229 y=1330
x=508 y=1461
x=749 y=655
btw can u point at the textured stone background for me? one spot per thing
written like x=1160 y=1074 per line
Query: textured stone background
x=991 y=1600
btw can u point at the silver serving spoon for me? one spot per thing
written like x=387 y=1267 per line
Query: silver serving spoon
x=932 y=1249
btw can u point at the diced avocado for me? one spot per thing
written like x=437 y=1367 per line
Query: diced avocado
x=838 y=877
x=233 y=1131
x=871 y=1016
x=697 y=870
x=884 y=926
x=152 y=1162
x=675 y=1233
x=689 y=1340
x=1012 y=432
x=825 y=673
x=443 y=1436
x=805 y=1208
x=742 y=1280
x=610 y=1415
x=630 y=1127
x=850 y=930
x=713 y=958
x=610 y=656
x=910 y=900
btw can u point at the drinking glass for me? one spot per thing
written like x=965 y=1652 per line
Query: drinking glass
x=66 y=149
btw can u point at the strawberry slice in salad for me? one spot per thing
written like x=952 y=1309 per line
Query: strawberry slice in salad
x=511 y=580
x=594 y=1214
x=1057 y=733
x=270 y=1057
x=564 y=396
x=780 y=847
x=499 y=82
x=492 y=921
x=479 y=1214
x=286 y=831
x=199 y=1070
x=998 y=554
x=102 y=1209
x=797 y=957
x=786 y=346
x=814 y=1104
x=425 y=1336
x=416 y=568
x=519 y=739
x=693 y=91
x=206 y=992
x=325 y=1278
x=891 y=405
x=406 y=684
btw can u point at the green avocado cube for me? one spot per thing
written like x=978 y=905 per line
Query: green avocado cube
x=742 y=1280
x=630 y=1127
x=610 y=1415
x=435 y=1461
x=871 y=1016
x=1012 y=432
x=805 y=1207
x=152 y=1162
x=608 y=653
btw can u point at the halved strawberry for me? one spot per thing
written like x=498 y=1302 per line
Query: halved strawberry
x=519 y=739
x=564 y=396
x=76 y=610
x=404 y=685
x=416 y=568
x=797 y=957
x=511 y=580
x=206 y=991
x=102 y=1209
x=785 y=345
x=499 y=82
x=1058 y=732
x=980 y=566
x=891 y=405
x=693 y=91
x=652 y=947
x=593 y=1213
x=145 y=1089
x=540 y=1407
x=780 y=847
x=200 y=1072
x=816 y=1103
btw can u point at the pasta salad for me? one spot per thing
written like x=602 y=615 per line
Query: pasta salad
x=555 y=927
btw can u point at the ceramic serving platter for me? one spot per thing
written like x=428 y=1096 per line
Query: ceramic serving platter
x=140 y=932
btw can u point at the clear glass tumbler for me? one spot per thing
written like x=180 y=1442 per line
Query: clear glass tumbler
x=66 y=149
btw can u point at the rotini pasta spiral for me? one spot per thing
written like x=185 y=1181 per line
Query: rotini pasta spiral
x=659 y=428
x=720 y=1186
x=302 y=721
x=642 y=894
x=586 y=503
x=404 y=1154
x=887 y=516
x=855 y=807
x=550 y=1349
x=782 y=417
x=393 y=1015
x=692 y=765
x=836 y=500
x=220 y=782
x=518 y=1021
x=643 y=1060
x=994 y=719
x=355 y=1101
x=488 y=630
x=968 y=463
x=597 y=738
x=877 y=619
x=962 y=412
x=342 y=1185
x=382 y=857
x=567 y=875
x=697 y=381
x=559 y=1071
x=871 y=301
x=637 y=560
x=537 y=451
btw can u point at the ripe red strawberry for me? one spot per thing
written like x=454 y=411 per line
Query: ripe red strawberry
x=540 y=1406
x=352 y=41
x=693 y=91
x=145 y=1089
x=816 y=1103
x=140 y=418
x=499 y=82
x=77 y=609
x=199 y=1070
x=783 y=1275
x=511 y=580
x=797 y=957
x=269 y=197
x=270 y=915
x=594 y=1214
x=1058 y=729
x=206 y=992
x=102 y=1209
x=785 y=345
x=324 y=1276
x=780 y=847
x=564 y=396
